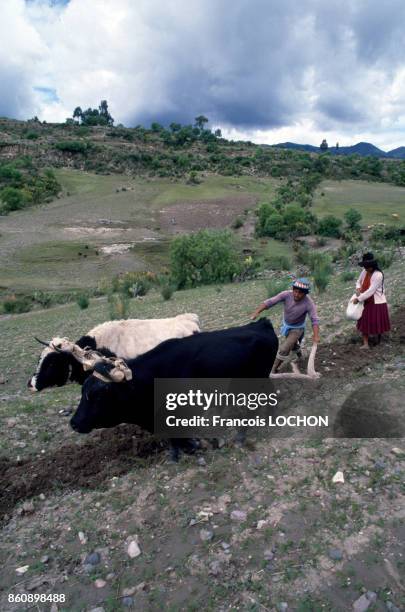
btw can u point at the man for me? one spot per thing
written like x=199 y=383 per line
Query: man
x=297 y=304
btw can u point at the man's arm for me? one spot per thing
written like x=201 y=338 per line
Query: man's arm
x=280 y=297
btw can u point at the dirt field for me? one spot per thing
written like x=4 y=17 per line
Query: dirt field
x=249 y=528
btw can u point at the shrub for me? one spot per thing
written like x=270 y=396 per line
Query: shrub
x=353 y=218
x=207 y=256
x=330 y=226
x=12 y=198
x=16 y=305
x=167 y=291
x=72 y=146
x=118 y=306
x=384 y=259
x=43 y=299
x=237 y=223
x=32 y=135
x=133 y=284
x=321 y=268
x=82 y=301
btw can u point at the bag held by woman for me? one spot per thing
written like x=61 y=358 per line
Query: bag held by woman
x=354 y=311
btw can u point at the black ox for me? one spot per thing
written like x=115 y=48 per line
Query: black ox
x=240 y=352
x=55 y=369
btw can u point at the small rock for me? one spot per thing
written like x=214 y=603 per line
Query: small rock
x=261 y=524
x=380 y=464
x=363 y=603
x=129 y=592
x=82 y=538
x=44 y=559
x=133 y=549
x=215 y=568
x=93 y=558
x=206 y=535
x=397 y=451
x=21 y=570
x=99 y=583
x=225 y=545
x=268 y=555
x=127 y=601
x=371 y=596
x=42 y=496
x=28 y=507
x=11 y=422
x=88 y=568
x=335 y=554
x=238 y=515
x=201 y=461
x=282 y=606
x=338 y=477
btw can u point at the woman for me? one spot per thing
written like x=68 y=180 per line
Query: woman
x=370 y=290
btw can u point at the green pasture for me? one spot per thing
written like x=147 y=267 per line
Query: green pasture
x=40 y=246
x=377 y=202
x=215 y=187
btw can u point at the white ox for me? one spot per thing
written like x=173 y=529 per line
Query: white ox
x=127 y=339
x=132 y=337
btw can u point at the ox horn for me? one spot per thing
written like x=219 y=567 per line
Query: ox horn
x=42 y=341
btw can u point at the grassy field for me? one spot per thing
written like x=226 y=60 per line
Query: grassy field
x=61 y=245
x=375 y=201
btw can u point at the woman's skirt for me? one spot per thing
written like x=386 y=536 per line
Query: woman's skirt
x=374 y=320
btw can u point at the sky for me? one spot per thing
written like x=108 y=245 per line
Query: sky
x=268 y=71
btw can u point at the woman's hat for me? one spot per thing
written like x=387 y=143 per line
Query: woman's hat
x=302 y=284
x=368 y=261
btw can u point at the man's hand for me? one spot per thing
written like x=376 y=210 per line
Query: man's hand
x=254 y=315
x=355 y=301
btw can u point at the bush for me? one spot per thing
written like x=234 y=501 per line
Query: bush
x=32 y=135
x=353 y=218
x=16 y=305
x=118 y=306
x=321 y=268
x=237 y=223
x=203 y=258
x=82 y=301
x=12 y=198
x=72 y=146
x=133 y=284
x=167 y=291
x=330 y=226
x=384 y=259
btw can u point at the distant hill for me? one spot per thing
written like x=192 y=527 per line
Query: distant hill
x=361 y=148
x=397 y=153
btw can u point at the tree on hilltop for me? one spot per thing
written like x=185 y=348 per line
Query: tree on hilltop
x=324 y=145
x=200 y=121
x=94 y=116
